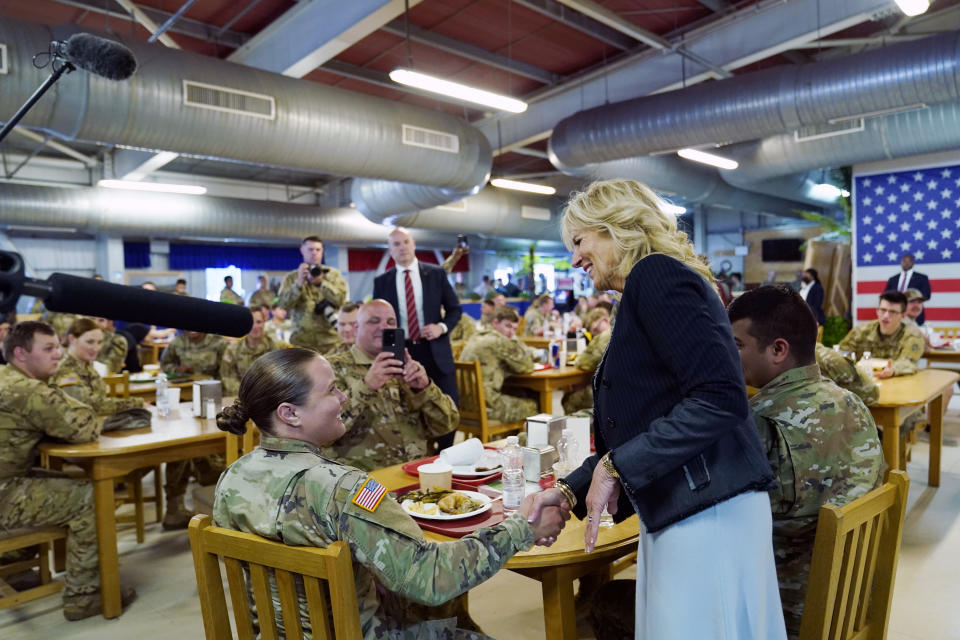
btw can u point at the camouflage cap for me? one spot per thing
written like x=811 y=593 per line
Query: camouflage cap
x=913 y=294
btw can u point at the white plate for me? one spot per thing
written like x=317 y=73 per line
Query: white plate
x=142 y=377
x=470 y=471
x=451 y=516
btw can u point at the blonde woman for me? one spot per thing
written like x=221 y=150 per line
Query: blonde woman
x=674 y=437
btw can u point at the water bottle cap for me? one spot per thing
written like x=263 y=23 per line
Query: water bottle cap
x=512 y=440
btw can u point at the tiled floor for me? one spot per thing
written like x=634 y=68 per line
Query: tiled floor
x=509 y=606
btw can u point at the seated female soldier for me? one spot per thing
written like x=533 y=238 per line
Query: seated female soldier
x=285 y=490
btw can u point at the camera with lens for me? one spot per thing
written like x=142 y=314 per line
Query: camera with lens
x=327 y=310
x=317 y=270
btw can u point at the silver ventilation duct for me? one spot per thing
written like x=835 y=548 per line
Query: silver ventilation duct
x=763 y=103
x=380 y=200
x=189 y=103
x=928 y=130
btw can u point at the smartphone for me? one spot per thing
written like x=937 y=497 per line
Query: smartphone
x=462 y=240
x=394 y=342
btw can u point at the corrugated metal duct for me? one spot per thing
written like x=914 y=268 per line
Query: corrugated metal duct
x=763 y=103
x=189 y=103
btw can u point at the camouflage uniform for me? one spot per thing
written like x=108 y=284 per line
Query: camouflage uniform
x=263 y=297
x=464 y=329
x=238 y=357
x=389 y=425
x=838 y=368
x=500 y=356
x=285 y=490
x=29 y=411
x=904 y=346
x=114 y=351
x=587 y=361
x=275 y=329
x=822 y=445
x=59 y=321
x=90 y=387
x=203 y=357
x=230 y=296
x=312 y=330
x=534 y=322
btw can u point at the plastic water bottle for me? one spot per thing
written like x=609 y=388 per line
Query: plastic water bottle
x=865 y=366
x=567 y=450
x=512 y=479
x=163 y=399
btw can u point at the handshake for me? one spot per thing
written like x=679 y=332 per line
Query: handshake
x=547 y=512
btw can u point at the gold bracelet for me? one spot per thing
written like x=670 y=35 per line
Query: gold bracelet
x=567 y=493
x=607 y=463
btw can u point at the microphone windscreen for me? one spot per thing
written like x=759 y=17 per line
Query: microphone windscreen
x=103 y=57
x=73 y=294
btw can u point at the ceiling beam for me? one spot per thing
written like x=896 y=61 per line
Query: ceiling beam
x=580 y=22
x=312 y=32
x=184 y=26
x=717 y=6
x=464 y=50
x=147 y=23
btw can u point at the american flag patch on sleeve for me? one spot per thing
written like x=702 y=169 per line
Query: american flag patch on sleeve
x=370 y=495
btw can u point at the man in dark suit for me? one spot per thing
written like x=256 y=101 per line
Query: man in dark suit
x=812 y=292
x=910 y=279
x=418 y=292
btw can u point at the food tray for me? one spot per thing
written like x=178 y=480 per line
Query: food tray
x=458 y=528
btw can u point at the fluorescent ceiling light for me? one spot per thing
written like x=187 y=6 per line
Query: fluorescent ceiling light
x=673 y=209
x=825 y=192
x=708 y=158
x=153 y=186
x=529 y=187
x=457 y=90
x=913 y=7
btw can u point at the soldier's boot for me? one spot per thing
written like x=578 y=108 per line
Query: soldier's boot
x=90 y=604
x=177 y=516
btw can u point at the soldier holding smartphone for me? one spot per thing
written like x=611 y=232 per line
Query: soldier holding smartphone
x=392 y=406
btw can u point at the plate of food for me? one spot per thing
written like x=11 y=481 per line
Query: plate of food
x=488 y=463
x=445 y=504
x=143 y=376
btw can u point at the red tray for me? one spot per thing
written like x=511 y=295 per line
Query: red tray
x=459 y=528
x=411 y=469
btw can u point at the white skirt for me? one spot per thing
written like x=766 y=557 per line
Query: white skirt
x=711 y=576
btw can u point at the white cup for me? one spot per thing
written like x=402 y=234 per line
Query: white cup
x=435 y=475
x=151 y=368
x=466 y=453
x=173 y=397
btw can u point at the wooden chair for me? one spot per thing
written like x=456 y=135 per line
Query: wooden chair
x=820 y=334
x=854 y=564
x=327 y=575
x=118 y=386
x=473 y=407
x=457 y=348
x=26 y=537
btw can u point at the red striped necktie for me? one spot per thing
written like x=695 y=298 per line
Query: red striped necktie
x=413 y=325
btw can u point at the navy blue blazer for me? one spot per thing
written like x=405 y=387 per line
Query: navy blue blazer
x=815 y=301
x=670 y=401
x=437 y=295
x=918 y=281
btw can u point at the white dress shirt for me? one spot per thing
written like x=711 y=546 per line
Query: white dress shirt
x=805 y=289
x=904 y=283
x=414 y=268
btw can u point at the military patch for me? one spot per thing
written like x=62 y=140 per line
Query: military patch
x=227 y=358
x=370 y=495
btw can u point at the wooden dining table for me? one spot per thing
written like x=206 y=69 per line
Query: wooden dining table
x=556 y=566
x=942 y=356
x=901 y=396
x=115 y=454
x=547 y=381
x=148 y=390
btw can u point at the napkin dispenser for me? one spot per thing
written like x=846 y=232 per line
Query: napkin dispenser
x=204 y=390
x=545 y=429
x=537 y=461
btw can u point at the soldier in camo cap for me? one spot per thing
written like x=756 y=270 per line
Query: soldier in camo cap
x=821 y=440
x=500 y=354
x=391 y=407
x=888 y=337
x=537 y=318
x=113 y=353
x=199 y=354
x=598 y=324
x=313 y=300
x=287 y=490
x=239 y=355
x=837 y=367
x=31 y=409
x=464 y=330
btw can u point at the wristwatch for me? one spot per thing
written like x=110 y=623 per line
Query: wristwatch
x=607 y=463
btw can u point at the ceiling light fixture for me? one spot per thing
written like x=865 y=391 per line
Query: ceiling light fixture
x=157 y=187
x=708 y=158
x=456 y=90
x=673 y=209
x=913 y=7
x=529 y=187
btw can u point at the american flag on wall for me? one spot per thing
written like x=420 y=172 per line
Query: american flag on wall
x=914 y=211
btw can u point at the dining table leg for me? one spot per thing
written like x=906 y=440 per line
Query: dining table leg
x=107 y=546
x=888 y=419
x=936 y=440
x=559 y=615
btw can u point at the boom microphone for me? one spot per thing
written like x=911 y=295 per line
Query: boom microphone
x=99 y=56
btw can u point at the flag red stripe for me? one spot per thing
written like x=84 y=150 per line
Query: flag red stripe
x=940 y=285
x=941 y=314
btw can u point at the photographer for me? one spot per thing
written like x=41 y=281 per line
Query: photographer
x=313 y=294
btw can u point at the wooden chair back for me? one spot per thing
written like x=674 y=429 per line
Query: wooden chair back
x=820 y=333
x=854 y=564
x=473 y=404
x=118 y=385
x=242 y=445
x=25 y=538
x=457 y=348
x=327 y=579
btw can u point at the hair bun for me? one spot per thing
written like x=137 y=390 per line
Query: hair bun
x=233 y=419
